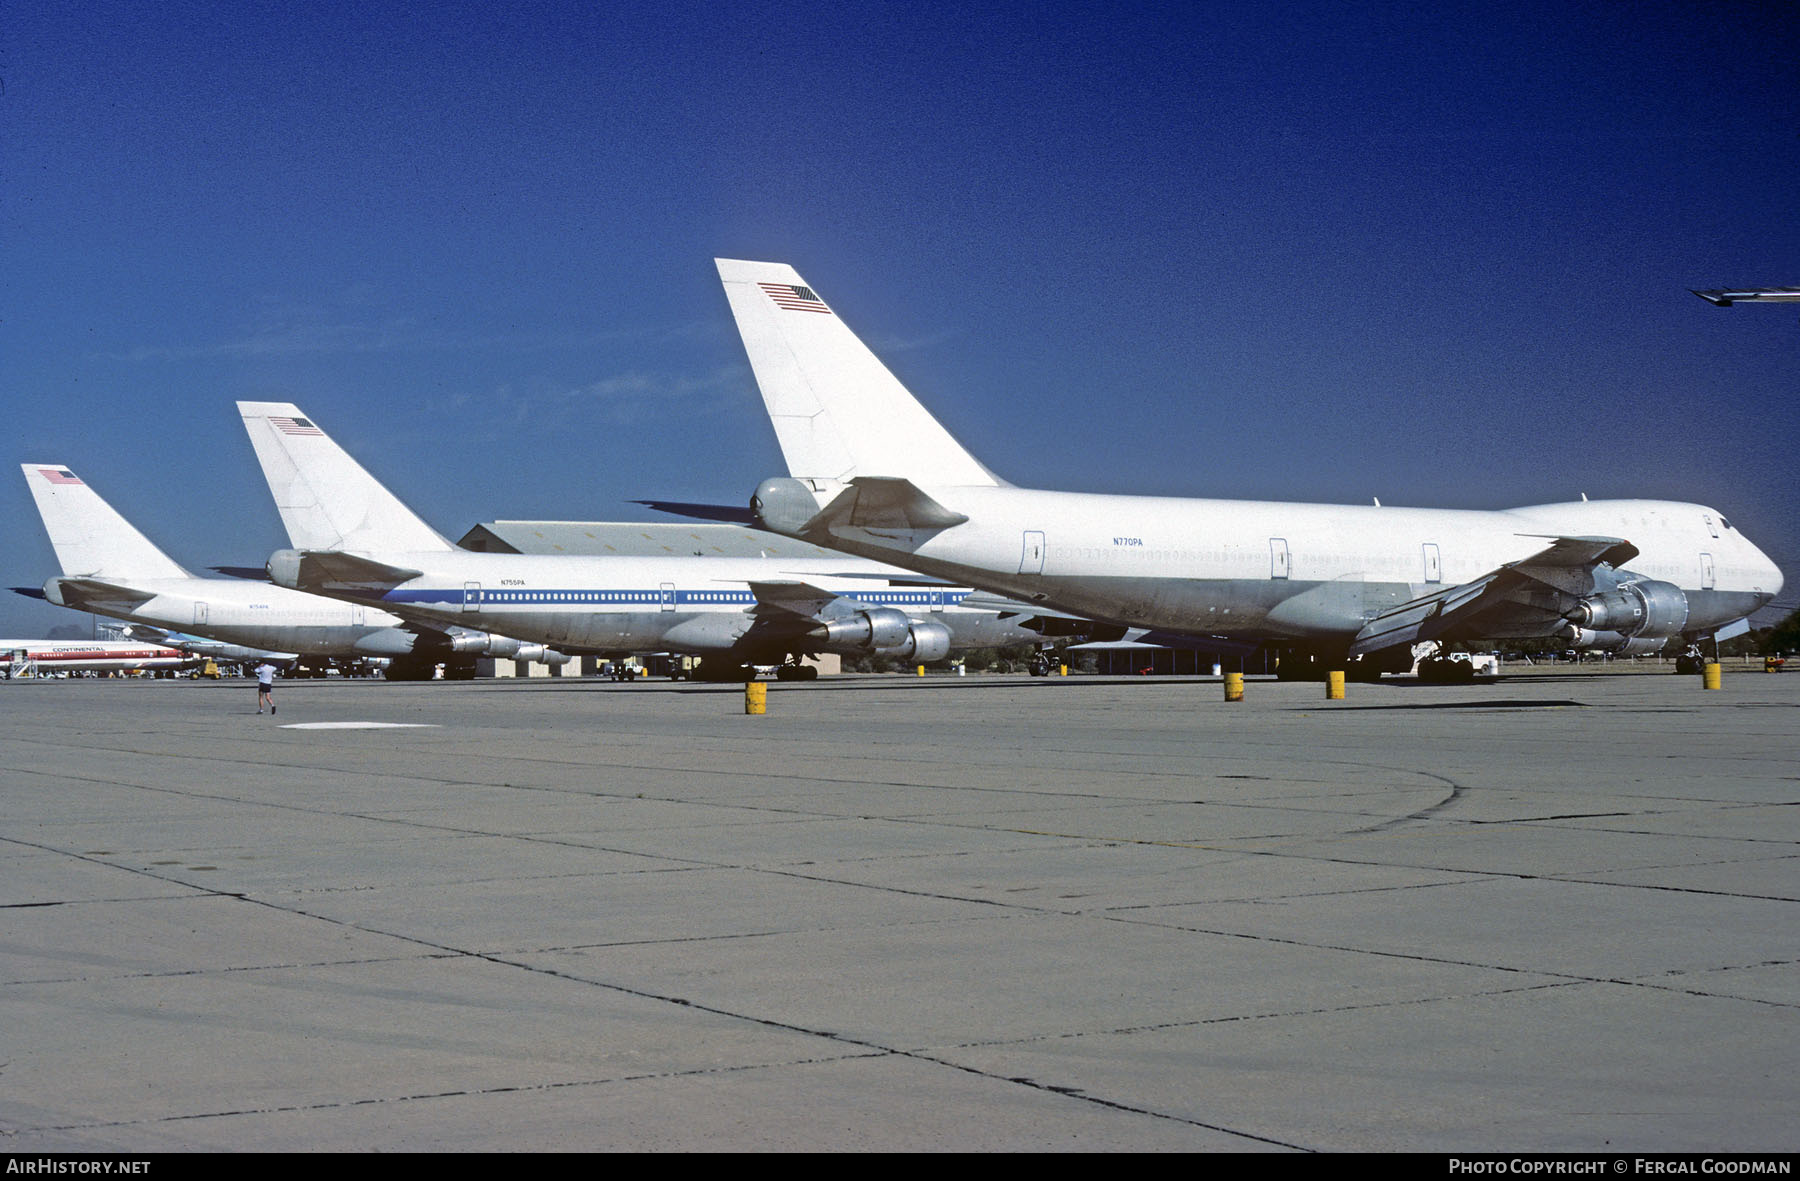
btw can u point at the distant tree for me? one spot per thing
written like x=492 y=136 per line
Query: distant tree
x=1783 y=637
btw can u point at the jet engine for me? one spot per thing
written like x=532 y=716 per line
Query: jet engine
x=1632 y=619
x=542 y=654
x=884 y=631
x=504 y=648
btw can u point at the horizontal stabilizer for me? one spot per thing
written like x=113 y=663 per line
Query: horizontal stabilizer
x=89 y=594
x=737 y=514
x=329 y=570
x=885 y=507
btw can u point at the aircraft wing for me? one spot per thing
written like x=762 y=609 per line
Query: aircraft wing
x=1724 y=297
x=1524 y=598
x=87 y=594
x=791 y=598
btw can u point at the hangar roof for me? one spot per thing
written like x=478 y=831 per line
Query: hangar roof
x=634 y=539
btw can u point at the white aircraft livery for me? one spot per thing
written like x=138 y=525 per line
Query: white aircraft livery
x=354 y=540
x=871 y=472
x=109 y=568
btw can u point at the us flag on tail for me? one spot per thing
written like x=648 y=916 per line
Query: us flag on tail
x=794 y=298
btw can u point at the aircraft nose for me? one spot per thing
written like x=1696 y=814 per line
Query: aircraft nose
x=1771 y=580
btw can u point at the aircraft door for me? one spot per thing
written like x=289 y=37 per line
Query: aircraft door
x=1706 y=572
x=936 y=598
x=665 y=595
x=1434 y=565
x=1031 y=556
x=357 y=615
x=471 y=596
x=199 y=614
x=1280 y=562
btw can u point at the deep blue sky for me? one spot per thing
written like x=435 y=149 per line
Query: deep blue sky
x=1437 y=254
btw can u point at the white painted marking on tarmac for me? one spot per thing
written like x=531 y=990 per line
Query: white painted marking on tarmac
x=359 y=726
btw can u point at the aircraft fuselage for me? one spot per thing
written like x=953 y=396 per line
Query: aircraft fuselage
x=252 y=614
x=693 y=605
x=1280 y=571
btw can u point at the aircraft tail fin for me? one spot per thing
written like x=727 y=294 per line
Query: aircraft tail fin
x=326 y=500
x=838 y=413
x=89 y=535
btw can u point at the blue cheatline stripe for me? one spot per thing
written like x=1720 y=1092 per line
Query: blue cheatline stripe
x=630 y=597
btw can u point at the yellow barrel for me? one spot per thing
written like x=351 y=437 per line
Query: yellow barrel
x=1711 y=676
x=756 y=698
x=921 y=670
x=1234 y=686
x=1334 y=685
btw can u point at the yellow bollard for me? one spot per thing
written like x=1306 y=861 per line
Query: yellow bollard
x=1234 y=686
x=1334 y=685
x=921 y=670
x=756 y=698
x=1710 y=676
x=1062 y=670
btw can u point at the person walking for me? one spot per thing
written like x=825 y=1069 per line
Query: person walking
x=265 y=686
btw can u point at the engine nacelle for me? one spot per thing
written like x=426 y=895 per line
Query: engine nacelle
x=1645 y=610
x=884 y=631
x=478 y=643
x=874 y=630
x=1588 y=640
x=925 y=642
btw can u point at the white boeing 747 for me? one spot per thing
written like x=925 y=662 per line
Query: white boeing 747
x=109 y=568
x=354 y=540
x=871 y=472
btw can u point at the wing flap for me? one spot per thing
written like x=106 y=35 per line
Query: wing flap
x=1527 y=597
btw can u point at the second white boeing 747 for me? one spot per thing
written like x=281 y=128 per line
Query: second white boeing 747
x=354 y=540
x=871 y=472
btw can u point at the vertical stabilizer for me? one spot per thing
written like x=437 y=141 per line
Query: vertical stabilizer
x=326 y=500
x=838 y=413
x=90 y=538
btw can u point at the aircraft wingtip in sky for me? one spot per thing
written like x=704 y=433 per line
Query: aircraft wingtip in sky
x=1724 y=297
